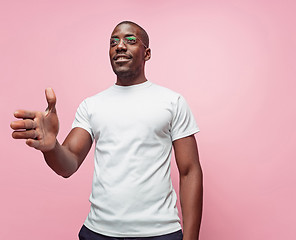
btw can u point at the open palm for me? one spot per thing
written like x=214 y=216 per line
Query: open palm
x=39 y=128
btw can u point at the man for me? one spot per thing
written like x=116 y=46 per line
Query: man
x=134 y=124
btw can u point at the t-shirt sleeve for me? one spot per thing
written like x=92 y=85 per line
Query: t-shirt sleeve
x=183 y=123
x=82 y=119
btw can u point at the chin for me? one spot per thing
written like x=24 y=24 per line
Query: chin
x=124 y=73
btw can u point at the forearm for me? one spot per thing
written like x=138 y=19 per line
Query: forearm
x=191 y=196
x=61 y=160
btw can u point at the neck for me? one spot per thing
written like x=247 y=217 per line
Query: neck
x=130 y=80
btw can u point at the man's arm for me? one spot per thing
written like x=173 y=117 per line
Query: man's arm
x=191 y=187
x=41 y=128
x=65 y=159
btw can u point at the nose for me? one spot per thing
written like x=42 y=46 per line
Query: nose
x=121 y=45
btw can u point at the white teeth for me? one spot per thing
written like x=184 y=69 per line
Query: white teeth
x=120 y=58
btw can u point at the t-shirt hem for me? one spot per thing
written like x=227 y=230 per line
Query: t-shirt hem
x=140 y=235
x=86 y=129
x=185 y=134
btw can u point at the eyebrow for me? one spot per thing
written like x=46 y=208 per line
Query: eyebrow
x=126 y=35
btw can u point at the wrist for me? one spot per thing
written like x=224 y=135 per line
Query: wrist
x=51 y=148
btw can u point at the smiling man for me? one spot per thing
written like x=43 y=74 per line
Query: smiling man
x=128 y=54
x=134 y=124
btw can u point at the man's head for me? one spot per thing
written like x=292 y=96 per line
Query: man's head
x=129 y=50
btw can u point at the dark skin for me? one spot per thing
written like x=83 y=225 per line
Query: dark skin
x=130 y=69
x=40 y=130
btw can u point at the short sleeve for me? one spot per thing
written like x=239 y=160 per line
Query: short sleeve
x=183 y=122
x=82 y=119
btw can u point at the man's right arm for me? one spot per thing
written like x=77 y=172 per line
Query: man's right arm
x=65 y=159
x=41 y=128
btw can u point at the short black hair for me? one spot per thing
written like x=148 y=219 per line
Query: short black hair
x=143 y=34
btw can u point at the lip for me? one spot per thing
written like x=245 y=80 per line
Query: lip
x=121 y=57
x=122 y=60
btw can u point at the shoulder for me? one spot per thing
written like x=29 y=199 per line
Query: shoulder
x=176 y=100
x=97 y=97
x=165 y=92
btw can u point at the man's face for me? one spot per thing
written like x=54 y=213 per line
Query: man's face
x=127 y=60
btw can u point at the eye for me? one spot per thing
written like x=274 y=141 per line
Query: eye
x=131 y=40
x=114 y=41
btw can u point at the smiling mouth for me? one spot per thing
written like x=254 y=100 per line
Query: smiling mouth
x=122 y=59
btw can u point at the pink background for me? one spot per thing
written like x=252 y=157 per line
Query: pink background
x=234 y=61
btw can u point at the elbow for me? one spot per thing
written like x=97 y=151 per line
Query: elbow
x=193 y=175
x=67 y=175
x=193 y=170
x=64 y=174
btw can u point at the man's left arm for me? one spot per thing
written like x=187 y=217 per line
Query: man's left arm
x=191 y=186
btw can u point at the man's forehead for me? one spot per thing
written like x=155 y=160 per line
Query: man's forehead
x=126 y=29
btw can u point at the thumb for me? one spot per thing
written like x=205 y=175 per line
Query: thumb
x=51 y=100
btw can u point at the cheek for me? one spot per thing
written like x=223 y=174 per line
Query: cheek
x=139 y=55
x=112 y=51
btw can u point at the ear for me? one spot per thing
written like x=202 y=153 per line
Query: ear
x=147 y=54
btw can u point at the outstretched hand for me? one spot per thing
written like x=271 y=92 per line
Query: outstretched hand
x=39 y=128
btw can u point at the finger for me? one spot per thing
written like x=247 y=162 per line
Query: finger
x=33 y=143
x=23 y=124
x=24 y=114
x=25 y=134
x=51 y=100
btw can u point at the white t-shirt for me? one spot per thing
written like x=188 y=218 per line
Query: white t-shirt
x=134 y=127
